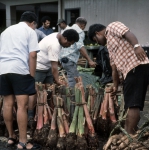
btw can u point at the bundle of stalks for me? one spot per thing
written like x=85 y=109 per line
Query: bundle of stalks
x=123 y=142
x=97 y=104
x=91 y=138
x=71 y=136
x=59 y=124
x=62 y=125
x=81 y=141
x=44 y=116
x=91 y=99
x=108 y=114
x=53 y=135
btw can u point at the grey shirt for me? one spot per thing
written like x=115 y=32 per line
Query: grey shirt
x=40 y=35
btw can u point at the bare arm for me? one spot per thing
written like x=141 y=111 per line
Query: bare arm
x=54 y=66
x=115 y=78
x=85 y=55
x=32 y=63
x=131 y=38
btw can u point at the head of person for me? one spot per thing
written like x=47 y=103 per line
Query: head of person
x=30 y=18
x=62 y=23
x=96 y=33
x=69 y=37
x=46 y=20
x=81 y=22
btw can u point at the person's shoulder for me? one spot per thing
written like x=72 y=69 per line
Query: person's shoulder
x=38 y=31
x=40 y=28
x=115 y=23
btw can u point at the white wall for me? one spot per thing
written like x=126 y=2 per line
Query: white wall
x=133 y=13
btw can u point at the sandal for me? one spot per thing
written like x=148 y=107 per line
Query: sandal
x=35 y=146
x=12 y=144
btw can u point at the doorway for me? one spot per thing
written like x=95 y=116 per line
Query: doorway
x=71 y=15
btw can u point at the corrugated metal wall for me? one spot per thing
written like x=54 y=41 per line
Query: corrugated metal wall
x=133 y=13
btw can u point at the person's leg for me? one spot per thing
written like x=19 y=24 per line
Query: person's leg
x=22 y=102
x=132 y=120
x=8 y=104
x=49 y=78
x=135 y=86
x=31 y=106
x=72 y=72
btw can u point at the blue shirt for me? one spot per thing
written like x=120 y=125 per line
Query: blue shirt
x=40 y=35
x=45 y=31
x=73 y=52
x=17 y=42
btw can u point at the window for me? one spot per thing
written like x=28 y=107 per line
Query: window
x=71 y=15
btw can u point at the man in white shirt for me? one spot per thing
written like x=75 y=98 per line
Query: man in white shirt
x=18 y=50
x=63 y=25
x=47 y=59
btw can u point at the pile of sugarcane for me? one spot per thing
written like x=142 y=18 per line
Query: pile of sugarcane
x=139 y=141
x=108 y=114
x=125 y=141
x=67 y=125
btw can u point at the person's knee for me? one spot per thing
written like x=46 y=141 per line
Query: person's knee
x=23 y=107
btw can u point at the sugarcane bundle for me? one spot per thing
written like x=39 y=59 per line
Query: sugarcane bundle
x=59 y=125
x=91 y=98
x=44 y=116
x=98 y=97
x=92 y=139
x=108 y=114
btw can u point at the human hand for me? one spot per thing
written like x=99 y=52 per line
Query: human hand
x=92 y=64
x=114 y=91
x=140 y=53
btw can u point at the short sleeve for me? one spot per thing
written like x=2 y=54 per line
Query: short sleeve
x=117 y=29
x=80 y=43
x=33 y=42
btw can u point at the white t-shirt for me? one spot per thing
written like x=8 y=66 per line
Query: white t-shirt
x=49 y=51
x=67 y=27
x=17 y=41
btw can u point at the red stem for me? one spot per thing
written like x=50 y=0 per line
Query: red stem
x=40 y=110
x=54 y=118
x=66 y=126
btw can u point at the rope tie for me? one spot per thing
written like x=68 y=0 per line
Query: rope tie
x=78 y=104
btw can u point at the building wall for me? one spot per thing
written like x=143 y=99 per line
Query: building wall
x=133 y=13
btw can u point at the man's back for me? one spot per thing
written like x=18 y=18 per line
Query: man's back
x=14 y=54
x=49 y=50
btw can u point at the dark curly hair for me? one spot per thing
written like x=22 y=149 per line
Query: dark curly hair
x=71 y=35
x=93 y=29
x=43 y=20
